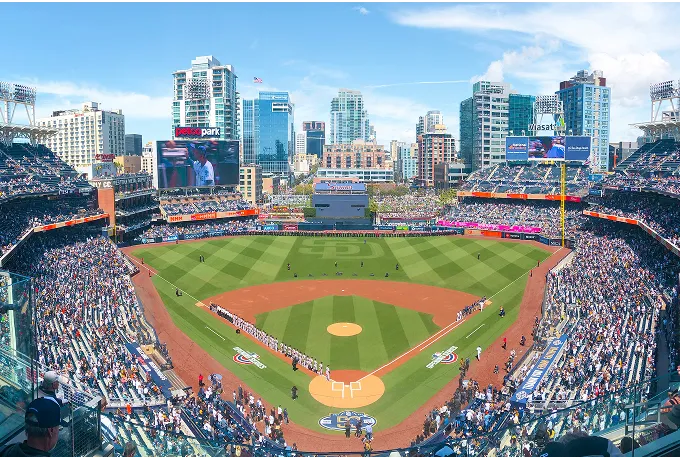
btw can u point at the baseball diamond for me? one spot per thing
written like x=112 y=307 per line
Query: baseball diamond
x=404 y=295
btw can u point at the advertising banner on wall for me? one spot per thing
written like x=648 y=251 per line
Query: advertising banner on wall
x=150 y=368
x=516 y=148
x=577 y=148
x=541 y=368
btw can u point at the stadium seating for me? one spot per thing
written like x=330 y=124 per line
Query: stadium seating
x=527 y=179
x=662 y=156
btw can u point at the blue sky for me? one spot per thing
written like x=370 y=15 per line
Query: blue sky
x=123 y=55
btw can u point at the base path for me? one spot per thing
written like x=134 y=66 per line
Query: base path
x=190 y=359
x=443 y=304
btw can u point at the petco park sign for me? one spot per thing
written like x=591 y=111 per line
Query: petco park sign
x=197 y=132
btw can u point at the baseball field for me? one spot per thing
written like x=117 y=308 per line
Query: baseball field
x=381 y=312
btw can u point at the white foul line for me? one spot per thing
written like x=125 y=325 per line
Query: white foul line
x=215 y=333
x=474 y=331
x=445 y=330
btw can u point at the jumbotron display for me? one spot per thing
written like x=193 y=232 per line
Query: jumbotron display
x=559 y=148
x=183 y=163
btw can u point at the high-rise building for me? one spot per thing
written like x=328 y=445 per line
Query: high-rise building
x=427 y=123
x=250 y=183
x=268 y=132
x=372 y=136
x=133 y=144
x=405 y=157
x=520 y=113
x=465 y=146
x=205 y=96
x=420 y=126
x=86 y=136
x=148 y=158
x=586 y=100
x=315 y=132
x=301 y=143
x=484 y=122
x=432 y=119
x=433 y=148
x=349 y=118
x=358 y=154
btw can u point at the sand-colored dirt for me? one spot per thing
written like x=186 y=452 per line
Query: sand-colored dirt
x=344 y=329
x=190 y=359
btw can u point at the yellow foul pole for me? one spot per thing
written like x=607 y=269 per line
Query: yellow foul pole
x=563 y=194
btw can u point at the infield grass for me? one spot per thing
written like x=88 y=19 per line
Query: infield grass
x=449 y=262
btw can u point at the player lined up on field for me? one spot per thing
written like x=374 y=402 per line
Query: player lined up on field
x=272 y=343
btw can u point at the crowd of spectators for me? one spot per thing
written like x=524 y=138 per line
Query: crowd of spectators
x=175 y=229
x=657 y=211
x=411 y=206
x=670 y=184
x=613 y=300
x=543 y=214
x=17 y=217
x=527 y=179
x=88 y=310
x=194 y=206
x=30 y=170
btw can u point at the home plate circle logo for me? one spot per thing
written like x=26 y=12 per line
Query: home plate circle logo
x=238 y=358
x=451 y=358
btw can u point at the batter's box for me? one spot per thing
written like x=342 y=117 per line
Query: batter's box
x=340 y=387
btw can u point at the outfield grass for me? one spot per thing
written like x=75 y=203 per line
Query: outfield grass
x=450 y=262
x=387 y=331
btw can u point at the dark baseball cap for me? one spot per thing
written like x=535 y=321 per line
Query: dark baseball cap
x=46 y=413
x=554 y=449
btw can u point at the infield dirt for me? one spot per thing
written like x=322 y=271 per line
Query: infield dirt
x=190 y=359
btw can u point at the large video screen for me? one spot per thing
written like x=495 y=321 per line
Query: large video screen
x=197 y=163
x=545 y=148
x=516 y=148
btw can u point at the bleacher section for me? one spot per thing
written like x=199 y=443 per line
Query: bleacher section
x=660 y=157
x=27 y=170
x=527 y=179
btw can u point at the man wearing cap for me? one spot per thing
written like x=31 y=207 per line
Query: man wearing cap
x=50 y=386
x=42 y=421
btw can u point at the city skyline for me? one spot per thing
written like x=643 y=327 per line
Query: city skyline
x=138 y=80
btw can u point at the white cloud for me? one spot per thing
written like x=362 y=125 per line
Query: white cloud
x=57 y=95
x=621 y=40
x=361 y=10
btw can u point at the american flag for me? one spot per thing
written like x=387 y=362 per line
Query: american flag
x=257 y=80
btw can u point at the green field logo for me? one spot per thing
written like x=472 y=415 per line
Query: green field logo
x=334 y=249
x=445 y=357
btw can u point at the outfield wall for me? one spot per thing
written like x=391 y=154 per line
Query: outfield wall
x=378 y=231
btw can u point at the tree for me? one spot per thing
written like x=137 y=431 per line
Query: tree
x=447 y=197
x=303 y=189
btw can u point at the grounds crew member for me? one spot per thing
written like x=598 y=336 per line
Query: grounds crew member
x=42 y=419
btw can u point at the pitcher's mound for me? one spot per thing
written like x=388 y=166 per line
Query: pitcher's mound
x=344 y=329
x=345 y=395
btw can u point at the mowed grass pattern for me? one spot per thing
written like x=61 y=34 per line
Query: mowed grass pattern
x=450 y=262
x=387 y=331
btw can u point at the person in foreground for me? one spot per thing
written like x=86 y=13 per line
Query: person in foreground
x=579 y=444
x=42 y=420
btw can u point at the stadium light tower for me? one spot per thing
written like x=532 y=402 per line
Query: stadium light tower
x=11 y=97
x=663 y=123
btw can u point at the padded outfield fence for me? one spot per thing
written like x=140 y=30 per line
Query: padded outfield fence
x=377 y=232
